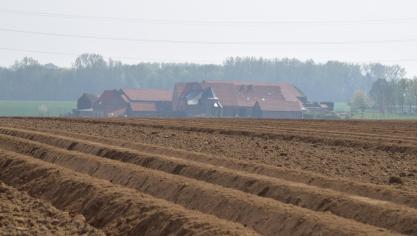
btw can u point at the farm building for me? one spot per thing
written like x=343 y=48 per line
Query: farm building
x=86 y=101
x=148 y=102
x=85 y=105
x=111 y=104
x=238 y=99
x=134 y=102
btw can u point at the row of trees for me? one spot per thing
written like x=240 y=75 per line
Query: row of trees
x=332 y=81
x=393 y=96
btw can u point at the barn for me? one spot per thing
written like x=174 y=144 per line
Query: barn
x=134 y=102
x=238 y=99
x=111 y=104
x=148 y=102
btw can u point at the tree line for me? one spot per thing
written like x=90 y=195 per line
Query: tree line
x=27 y=79
x=388 y=96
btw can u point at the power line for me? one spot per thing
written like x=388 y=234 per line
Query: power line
x=168 y=41
x=208 y=22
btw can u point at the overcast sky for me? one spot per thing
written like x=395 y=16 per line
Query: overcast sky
x=209 y=31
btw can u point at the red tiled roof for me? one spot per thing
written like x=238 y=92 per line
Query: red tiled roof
x=280 y=106
x=180 y=91
x=147 y=94
x=248 y=95
x=143 y=106
x=271 y=97
x=289 y=91
x=107 y=94
x=226 y=92
x=109 y=102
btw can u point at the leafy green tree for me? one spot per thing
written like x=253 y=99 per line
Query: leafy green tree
x=360 y=102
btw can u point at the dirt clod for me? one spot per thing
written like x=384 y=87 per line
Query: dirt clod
x=395 y=180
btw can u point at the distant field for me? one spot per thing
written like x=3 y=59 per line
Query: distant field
x=342 y=107
x=59 y=108
x=36 y=108
x=386 y=116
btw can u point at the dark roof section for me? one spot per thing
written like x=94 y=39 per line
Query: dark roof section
x=209 y=94
x=86 y=101
x=91 y=97
x=147 y=94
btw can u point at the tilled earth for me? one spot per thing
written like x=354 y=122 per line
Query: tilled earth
x=21 y=214
x=214 y=176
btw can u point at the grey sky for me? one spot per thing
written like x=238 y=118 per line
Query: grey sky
x=302 y=21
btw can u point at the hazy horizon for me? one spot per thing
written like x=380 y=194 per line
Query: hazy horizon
x=208 y=32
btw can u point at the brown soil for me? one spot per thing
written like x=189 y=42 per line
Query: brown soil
x=314 y=177
x=366 y=151
x=116 y=210
x=21 y=214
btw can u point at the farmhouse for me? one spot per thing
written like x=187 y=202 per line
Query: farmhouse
x=134 y=102
x=238 y=99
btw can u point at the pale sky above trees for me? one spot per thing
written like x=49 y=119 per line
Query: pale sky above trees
x=209 y=31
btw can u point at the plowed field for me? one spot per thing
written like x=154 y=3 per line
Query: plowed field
x=208 y=177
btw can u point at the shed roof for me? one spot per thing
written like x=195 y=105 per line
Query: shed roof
x=143 y=106
x=147 y=94
x=280 y=106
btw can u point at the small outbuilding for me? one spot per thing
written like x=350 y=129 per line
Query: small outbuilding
x=86 y=101
x=134 y=102
x=85 y=105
